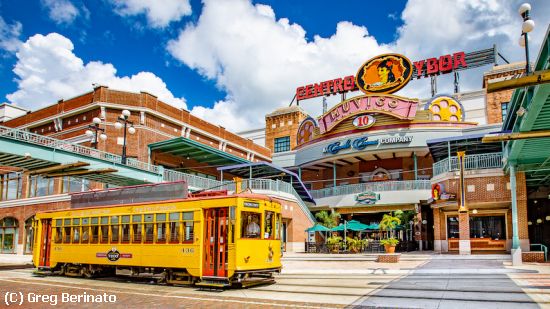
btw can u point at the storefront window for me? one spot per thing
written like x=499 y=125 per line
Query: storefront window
x=452 y=227
x=250 y=224
x=8 y=235
x=487 y=227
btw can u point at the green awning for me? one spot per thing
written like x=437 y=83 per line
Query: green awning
x=352 y=225
x=187 y=148
x=318 y=228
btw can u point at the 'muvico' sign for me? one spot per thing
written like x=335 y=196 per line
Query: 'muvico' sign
x=399 y=107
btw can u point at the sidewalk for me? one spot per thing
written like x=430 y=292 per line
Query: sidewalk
x=427 y=263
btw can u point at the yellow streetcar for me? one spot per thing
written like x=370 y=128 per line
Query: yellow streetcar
x=219 y=241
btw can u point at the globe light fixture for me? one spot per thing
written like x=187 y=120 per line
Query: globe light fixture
x=94 y=132
x=527 y=26
x=123 y=122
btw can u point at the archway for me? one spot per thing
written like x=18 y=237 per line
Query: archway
x=29 y=235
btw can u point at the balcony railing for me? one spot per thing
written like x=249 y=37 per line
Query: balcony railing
x=471 y=162
x=372 y=186
x=41 y=140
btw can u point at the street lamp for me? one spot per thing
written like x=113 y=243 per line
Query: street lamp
x=527 y=26
x=123 y=121
x=93 y=130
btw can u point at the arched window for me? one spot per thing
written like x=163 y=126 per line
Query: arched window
x=8 y=234
x=29 y=235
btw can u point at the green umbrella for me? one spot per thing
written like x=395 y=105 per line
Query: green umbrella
x=318 y=228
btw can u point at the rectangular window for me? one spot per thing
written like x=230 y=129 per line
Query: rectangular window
x=94 y=230
x=161 y=228
x=149 y=229
x=452 y=227
x=76 y=231
x=504 y=110
x=104 y=230
x=175 y=227
x=125 y=229
x=278 y=226
x=115 y=229
x=282 y=144
x=250 y=225
x=85 y=231
x=487 y=227
x=58 y=234
x=136 y=229
x=188 y=225
x=269 y=219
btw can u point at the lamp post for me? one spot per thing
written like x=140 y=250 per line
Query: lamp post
x=93 y=130
x=123 y=121
x=527 y=26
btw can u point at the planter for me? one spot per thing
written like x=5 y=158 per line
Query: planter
x=389 y=248
x=388 y=258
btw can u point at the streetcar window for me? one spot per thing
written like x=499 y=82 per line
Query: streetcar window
x=175 y=227
x=161 y=217
x=95 y=233
x=58 y=234
x=76 y=234
x=85 y=230
x=268 y=224
x=58 y=222
x=232 y=224
x=67 y=222
x=161 y=232
x=136 y=229
x=149 y=229
x=95 y=220
x=114 y=229
x=278 y=226
x=250 y=224
x=188 y=226
x=104 y=230
x=125 y=229
x=66 y=234
x=149 y=232
x=76 y=221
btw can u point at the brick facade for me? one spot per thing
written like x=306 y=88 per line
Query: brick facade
x=283 y=122
x=494 y=100
x=154 y=121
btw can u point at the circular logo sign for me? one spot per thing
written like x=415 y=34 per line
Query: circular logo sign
x=446 y=108
x=384 y=74
x=364 y=121
x=113 y=255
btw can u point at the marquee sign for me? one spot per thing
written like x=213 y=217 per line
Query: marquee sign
x=361 y=143
x=423 y=68
x=363 y=121
x=384 y=74
x=399 y=107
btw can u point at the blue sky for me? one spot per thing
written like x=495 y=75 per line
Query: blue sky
x=219 y=59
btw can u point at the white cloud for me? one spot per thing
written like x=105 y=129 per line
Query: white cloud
x=159 y=13
x=48 y=70
x=259 y=60
x=61 y=11
x=9 y=36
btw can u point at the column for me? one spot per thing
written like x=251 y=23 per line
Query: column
x=516 y=249
x=464 y=233
x=334 y=174
x=437 y=230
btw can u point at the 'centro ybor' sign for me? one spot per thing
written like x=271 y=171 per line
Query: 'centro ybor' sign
x=362 y=142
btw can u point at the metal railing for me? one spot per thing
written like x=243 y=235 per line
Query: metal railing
x=402 y=185
x=193 y=181
x=471 y=162
x=41 y=140
x=543 y=248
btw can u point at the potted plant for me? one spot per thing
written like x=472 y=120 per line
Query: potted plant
x=334 y=243
x=389 y=244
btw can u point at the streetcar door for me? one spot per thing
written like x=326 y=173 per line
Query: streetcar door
x=215 y=242
x=45 y=244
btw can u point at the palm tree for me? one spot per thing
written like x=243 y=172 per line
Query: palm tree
x=327 y=219
x=390 y=221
